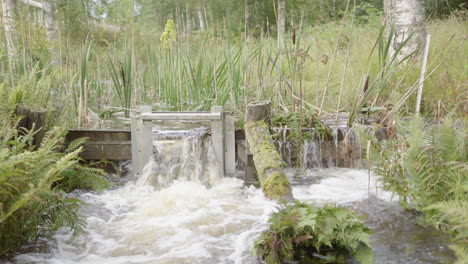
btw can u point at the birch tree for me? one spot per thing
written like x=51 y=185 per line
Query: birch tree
x=201 y=19
x=281 y=24
x=188 y=19
x=407 y=17
x=8 y=8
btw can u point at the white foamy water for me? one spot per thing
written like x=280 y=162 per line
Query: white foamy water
x=185 y=222
x=340 y=186
x=181 y=211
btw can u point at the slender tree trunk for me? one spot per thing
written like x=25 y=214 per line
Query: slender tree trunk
x=281 y=23
x=49 y=20
x=246 y=17
x=407 y=17
x=8 y=7
x=188 y=19
x=201 y=19
x=179 y=25
x=50 y=30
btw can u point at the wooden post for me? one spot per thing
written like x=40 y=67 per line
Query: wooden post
x=142 y=142
x=33 y=119
x=423 y=73
x=268 y=163
x=217 y=137
x=229 y=146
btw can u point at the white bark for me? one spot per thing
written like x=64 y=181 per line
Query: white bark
x=201 y=19
x=34 y=3
x=281 y=23
x=8 y=8
x=407 y=17
x=49 y=21
x=189 y=19
x=246 y=17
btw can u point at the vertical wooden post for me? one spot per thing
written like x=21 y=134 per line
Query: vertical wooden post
x=33 y=119
x=217 y=137
x=229 y=146
x=142 y=142
x=423 y=73
x=147 y=138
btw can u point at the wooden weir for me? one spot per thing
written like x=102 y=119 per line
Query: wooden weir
x=222 y=135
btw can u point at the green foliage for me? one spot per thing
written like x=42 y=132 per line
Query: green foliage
x=302 y=232
x=426 y=167
x=122 y=80
x=32 y=203
x=169 y=36
x=365 y=12
x=29 y=208
x=423 y=165
x=296 y=126
x=387 y=67
x=454 y=218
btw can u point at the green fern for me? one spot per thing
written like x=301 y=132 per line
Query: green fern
x=426 y=165
x=303 y=232
x=454 y=217
x=31 y=202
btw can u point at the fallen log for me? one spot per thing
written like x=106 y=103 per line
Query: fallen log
x=267 y=161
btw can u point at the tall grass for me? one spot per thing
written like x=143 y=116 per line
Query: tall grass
x=203 y=70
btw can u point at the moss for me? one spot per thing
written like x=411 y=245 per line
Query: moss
x=276 y=186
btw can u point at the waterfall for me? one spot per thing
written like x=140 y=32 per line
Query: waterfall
x=181 y=155
x=340 y=149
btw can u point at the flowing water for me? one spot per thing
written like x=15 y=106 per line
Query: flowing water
x=181 y=211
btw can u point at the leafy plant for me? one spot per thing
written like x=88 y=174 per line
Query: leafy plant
x=302 y=232
x=387 y=67
x=32 y=201
x=454 y=218
x=122 y=80
x=29 y=208
x=425 y=165
x=169 y=36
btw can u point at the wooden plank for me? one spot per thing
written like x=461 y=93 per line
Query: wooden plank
x=103 y=144
x=182 y=116
x=106 y=151
x=99 y=135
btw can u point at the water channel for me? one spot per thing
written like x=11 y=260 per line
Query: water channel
x=181 y=211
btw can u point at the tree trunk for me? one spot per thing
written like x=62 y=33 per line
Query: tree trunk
x=8 y=7
x=49 y=21
x=201 y=19
x=188 y=19
x=407 y=17
x=246 y=17
x=281 y=23
x=267 y=161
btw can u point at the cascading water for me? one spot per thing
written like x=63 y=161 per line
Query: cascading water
x=340 y=149
x=181 y=211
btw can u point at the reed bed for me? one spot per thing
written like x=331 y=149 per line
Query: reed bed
x=326 y=65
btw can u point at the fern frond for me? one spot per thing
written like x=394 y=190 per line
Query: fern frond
x=76 y=143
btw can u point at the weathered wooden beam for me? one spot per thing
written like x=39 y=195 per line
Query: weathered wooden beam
x=268 y=163
x=182 y=116
x=32 y=118
x=246 y=158
x=103 y=144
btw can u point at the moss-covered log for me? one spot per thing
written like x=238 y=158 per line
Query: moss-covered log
x=267 y=160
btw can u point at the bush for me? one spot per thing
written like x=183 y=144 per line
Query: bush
x=425 y=165
x=302 y=232
x=32 y=205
